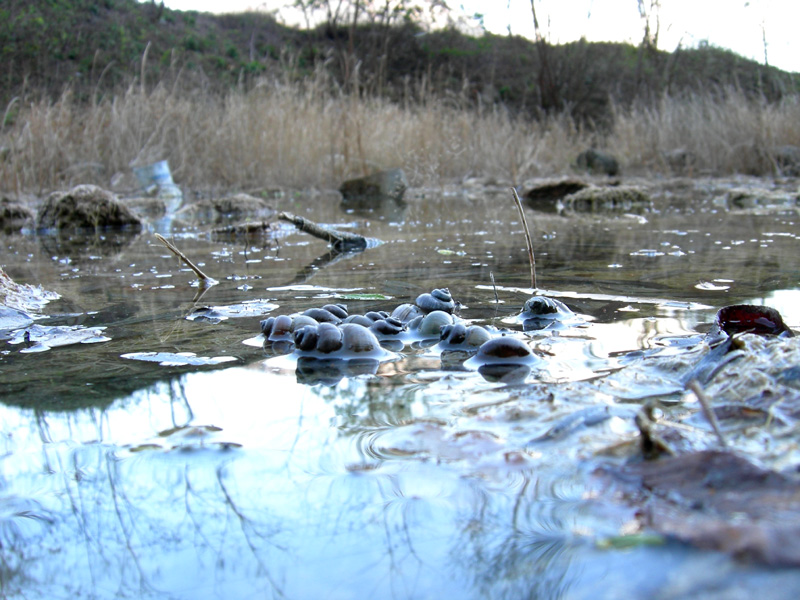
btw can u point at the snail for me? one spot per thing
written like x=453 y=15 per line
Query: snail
x=430 y=326
x=503 y=359
x=439 y=299
x=345 y=341
x=406 y=313
x=459 y=337
x=277 y=328
x=388 y=327
x=541 y=312
x=504 y=350
x=362 y=320
x=330 y=313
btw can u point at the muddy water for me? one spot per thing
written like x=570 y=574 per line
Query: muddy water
x=245 y=479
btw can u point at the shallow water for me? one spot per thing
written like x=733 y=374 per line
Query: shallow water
x=123 y=477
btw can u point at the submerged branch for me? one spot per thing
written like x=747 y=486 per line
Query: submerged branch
x=531 y=257
x=205 y=279
x=340 y=240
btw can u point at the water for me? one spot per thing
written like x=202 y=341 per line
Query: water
x=123 y=477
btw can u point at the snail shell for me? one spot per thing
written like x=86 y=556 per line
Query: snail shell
x=358 y=339
x=439 y=299
x=345 y=341
x=406 y=313
x=362 y=320
x=547 y=308
x=460 y=337
x=324 y=315
x=504 y=350
x=339 y=310
x=430 y=326
x=387 y=327
x=301 y=321
x=541 y=312
x=324 y=338
x=277 y=328
x=376 y=315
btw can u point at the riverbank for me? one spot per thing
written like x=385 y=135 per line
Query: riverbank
x=303 y=136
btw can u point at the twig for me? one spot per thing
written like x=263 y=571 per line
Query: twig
x=205 y=279
x=708 y=411
x=340 y=240
x=494 y=287
x=531 y=257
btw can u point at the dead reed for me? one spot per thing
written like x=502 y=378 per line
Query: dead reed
x=313 y=135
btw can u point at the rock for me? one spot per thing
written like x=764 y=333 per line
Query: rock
x=85 y=206
x=617 y=198
x=242 y=204
x=14 y=216
x=547 y=195
x=787 y=159
x=375 y=188
x=597 y=162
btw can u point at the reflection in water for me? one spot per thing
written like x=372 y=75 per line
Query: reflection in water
x=409 y=478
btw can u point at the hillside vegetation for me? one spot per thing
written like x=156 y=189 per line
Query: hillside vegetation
x=91 y=88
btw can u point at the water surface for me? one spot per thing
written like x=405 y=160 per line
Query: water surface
x=243 y=479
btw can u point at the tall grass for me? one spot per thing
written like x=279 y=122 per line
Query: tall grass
x=725 y=133
x=313 y=135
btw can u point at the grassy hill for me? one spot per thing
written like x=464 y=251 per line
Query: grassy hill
x=94 y=47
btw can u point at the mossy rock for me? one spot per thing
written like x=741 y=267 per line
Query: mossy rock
x=85 y=206
x=597 y=162
x=14 y=216
x=608 y=199
x=375 y=188
x=241 y=205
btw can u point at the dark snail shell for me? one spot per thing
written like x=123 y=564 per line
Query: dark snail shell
x=544 y=307
x=329 y=338
x=362 y=320
x=266 y=326
x=387 y=327
x=345 y=341
x=454 y=334
x=277 y=328
x=305 y=339
x=376 y=315
x=504 y=349
x=541 y=312
x=748 y=318
x=439 y=299
x=323 y=338
x=323 y=315
x=339 y=310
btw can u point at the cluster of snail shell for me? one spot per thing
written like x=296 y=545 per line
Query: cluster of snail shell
x=331 y=332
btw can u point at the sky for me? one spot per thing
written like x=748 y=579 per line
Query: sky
x=740 y=25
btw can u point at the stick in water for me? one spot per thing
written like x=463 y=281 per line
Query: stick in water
x=203 y=277
x=531 y=257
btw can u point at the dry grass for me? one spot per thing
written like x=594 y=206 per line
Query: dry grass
x=725 y=133
x=314 y=136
